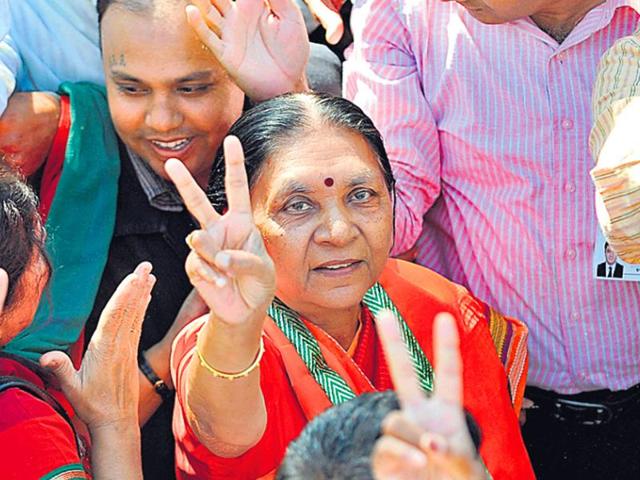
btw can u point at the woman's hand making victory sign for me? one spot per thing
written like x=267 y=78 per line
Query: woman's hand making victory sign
x=228 y=264
x=428 y=438
x=262 y=45
x=234 y=275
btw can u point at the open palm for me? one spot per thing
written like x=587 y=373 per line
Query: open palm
x=264 y=47
x=228 y=264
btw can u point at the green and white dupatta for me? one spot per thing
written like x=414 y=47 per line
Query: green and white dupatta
x=336 y=388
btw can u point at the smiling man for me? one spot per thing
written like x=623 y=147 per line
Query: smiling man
x=485 y=110
x=108 y=202
x=168 y=96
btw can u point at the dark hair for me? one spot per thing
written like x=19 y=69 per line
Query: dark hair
x=606 y=245
x=339 y=442
x=275 y=123
x=131 y=5
x=21 y=231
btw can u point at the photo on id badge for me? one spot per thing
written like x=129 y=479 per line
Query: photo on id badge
x=608 y=266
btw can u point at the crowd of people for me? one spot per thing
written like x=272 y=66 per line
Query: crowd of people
x=286 y=239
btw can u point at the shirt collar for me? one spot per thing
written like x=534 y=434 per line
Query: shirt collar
x=161 y=194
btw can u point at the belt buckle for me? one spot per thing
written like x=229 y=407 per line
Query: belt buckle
x=585 y=413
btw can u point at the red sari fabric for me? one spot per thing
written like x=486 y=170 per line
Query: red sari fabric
x=55 y=159
x=36 y=441
x=292 y=396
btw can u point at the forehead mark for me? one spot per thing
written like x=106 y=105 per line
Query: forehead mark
x=328 y=182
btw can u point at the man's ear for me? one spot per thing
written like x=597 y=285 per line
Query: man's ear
x=4 y=287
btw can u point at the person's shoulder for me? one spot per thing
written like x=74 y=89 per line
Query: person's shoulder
x=622 y=56
x=415 y=288
x=626 y=45
x=37 y=441
x=20 y=407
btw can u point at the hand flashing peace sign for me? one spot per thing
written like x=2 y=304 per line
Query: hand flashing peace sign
x=263 y=46
x=428 y=438
x=228 y=264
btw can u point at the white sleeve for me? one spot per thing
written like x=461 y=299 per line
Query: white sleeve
x=9 y=56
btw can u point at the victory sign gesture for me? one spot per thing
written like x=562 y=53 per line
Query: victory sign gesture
x=234 y=275
x=228 y=264
x=428 y=438
x=262 y=45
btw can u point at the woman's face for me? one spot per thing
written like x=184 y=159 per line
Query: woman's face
x=19 y=314
x=326 y=216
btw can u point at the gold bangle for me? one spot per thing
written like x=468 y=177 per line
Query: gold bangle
x=232 y=376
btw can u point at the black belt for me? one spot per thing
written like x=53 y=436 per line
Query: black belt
x=599 y=407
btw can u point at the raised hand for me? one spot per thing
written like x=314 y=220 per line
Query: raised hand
x=228 y=265
x=428 y=438
x=105 y=389
x=263 y=46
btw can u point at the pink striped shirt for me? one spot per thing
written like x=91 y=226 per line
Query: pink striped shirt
x=487 y=127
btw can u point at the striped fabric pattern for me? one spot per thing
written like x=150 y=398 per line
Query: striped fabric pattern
x=68 y=472
x=615 y=144
x=511 y=345
x=487 y=127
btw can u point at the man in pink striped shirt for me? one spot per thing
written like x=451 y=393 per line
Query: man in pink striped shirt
x=485 y=110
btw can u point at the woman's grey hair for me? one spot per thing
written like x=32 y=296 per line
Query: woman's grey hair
x=281 y=121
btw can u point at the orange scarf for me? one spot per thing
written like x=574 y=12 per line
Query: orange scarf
x=419 y=295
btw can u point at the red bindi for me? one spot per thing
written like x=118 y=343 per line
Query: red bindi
x=328 y=182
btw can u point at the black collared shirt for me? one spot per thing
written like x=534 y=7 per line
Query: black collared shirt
x=144 y=232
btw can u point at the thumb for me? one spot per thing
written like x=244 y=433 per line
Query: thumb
x=330 y=19
x=60 y=365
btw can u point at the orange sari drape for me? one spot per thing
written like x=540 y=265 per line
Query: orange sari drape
x=419 y=295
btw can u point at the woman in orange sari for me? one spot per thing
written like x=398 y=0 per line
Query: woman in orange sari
x=294 y=272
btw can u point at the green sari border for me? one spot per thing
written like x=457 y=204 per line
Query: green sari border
x=73 y=471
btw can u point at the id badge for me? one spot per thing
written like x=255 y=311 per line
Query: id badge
x=607 y=266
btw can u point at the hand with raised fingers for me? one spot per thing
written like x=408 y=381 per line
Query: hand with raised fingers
x=428 y=437
x=327 y=13
x=262 y=45
x=228 y=264
x=104 y=391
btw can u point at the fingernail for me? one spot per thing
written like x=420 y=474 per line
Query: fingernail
x=417 y=459
x=221 y=282
x=432 y=442
x=223 y=260
x=207 y=275
x=189 y=240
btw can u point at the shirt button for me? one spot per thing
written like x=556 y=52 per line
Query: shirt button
x=569 y=187
x=567 y=124
x=562 y=56
x=575 y=316
x=571 y=254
